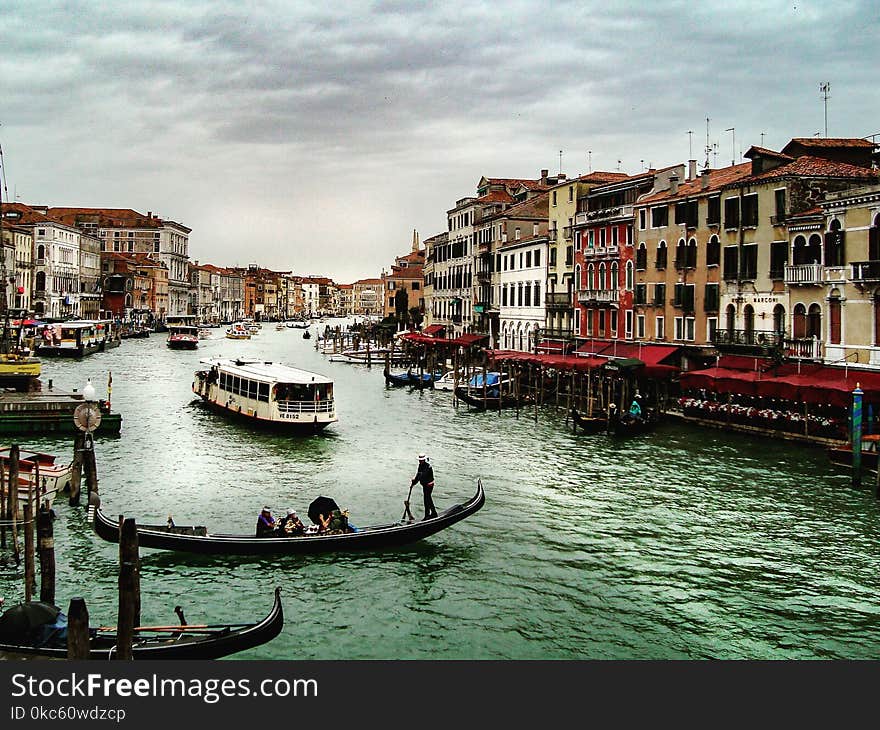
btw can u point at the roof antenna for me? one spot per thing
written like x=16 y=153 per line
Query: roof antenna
x=732 y=145
x=825 y=90
x=708 y=145
x=560 y=162
x=589 y=161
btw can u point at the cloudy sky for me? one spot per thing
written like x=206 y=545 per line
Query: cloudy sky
x=315 y=136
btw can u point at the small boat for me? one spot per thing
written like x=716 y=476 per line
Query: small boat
x=135 y=333
x=183 y=337
x=204 y=333
x=189 y=641
x=842 y=455
x=307 y=335
x=237 y=331
x=491 y=393
x=267 y=393
x=78 y=338
x=589 y=424
x=447 y=381
x=54 y=476
x=280 y=327
x=629 y=425
x=426 y=380
x=194 y=539
x=373 y=355
x=298 y=325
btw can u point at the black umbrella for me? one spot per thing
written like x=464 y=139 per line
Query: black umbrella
x=20 y=620
x=321 y=506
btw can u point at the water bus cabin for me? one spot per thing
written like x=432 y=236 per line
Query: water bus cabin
x=73 y=339
x=267 y=393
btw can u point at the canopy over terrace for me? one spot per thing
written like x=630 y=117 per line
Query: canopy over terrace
x=465 y=340
x=816 y=385
x=645 y=359
x=557 y=362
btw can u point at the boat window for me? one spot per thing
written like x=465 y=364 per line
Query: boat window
x=252 y=389
x=236 y=384
x=264 y=392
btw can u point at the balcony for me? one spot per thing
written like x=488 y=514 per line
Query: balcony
x=807 y=348
x=558 y=301
x=865 y=271
x=804 y=274
x=747 y=341
x=484 y=276
x=553 y=234
x=598 y=296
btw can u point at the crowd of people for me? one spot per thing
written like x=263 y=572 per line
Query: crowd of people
x=824 y=421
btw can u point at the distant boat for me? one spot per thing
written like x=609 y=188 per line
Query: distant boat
x=237 y=331
x=183 y=337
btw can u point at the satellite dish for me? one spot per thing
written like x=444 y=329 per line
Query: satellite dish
x=87 y=417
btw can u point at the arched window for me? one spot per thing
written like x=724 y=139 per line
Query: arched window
x=603 y=283
x=779 y=319
x=799 y=251
x=814 y=249
x=642 y=256
x=577 y=278
x=614 y=284
x=691 y=258
x=799 y=322
x=680 y=254
x=630 y=275
x=40 y=281
x=814 y=321
x=877 y=318
x=661 y=255
x=749 y=321
x=41 y=252
x=713 y=251
x=591 y=277
x=834 y=317
x=730 y=320
x=874 y=239
x=834 y=245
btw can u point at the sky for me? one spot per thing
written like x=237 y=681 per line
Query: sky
x=317 y=136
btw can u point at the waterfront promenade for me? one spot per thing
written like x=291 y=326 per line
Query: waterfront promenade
x=679 y=544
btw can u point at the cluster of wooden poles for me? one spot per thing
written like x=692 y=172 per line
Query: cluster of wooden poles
x=528 y=385
x=336 y=340
x=42 y=549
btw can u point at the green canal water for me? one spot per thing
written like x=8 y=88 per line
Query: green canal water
x=678 y=544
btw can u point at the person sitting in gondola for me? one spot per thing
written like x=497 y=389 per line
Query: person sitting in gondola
x=266 y=523
x=335 y=523
x=291 y=525
x=635 y=410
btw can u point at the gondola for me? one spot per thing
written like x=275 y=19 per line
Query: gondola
x=199 y=540
x=492 y=402
x=589 y=424
x=398 y=380
x=627 y=425
x=172 y=642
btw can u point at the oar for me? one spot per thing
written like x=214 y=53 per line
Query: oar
x=406 y=510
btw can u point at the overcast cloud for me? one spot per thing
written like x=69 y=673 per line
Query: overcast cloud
x=316 y=136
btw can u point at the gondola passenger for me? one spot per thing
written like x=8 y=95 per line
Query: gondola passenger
x=266 y=523
x=291 y=525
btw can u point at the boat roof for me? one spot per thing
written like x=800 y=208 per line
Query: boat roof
x=265 y=371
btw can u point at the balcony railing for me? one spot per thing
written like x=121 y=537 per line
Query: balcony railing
x=807 y=348
x=747 y=338
x=484 y=276
x=557 y=301
x=599 y=296
x=865 y=270
x=804 y=274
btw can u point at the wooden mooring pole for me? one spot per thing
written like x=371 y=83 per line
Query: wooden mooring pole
x=79 y=444
x=90 y=468
x=29 y=568
x=78 y=629
x=46 y=547
x=12 y=489
x=129 y=614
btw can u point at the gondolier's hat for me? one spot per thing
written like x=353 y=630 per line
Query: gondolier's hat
x=422 y=457
x=266 y=509
x=291 y=512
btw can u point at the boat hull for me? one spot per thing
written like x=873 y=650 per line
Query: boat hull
x=301 y=427
x=395 y=534
x=221 y=642
x=489 y=403
x=589 y=424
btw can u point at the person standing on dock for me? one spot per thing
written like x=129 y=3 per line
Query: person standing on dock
x=425 y=476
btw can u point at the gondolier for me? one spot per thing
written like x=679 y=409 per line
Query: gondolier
x=425 y=476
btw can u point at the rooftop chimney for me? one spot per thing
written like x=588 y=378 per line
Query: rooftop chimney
x=149 y=214
x=673 y=184
x=692 y=169
x=544 y=174
x=704 y=175
x=415 y=243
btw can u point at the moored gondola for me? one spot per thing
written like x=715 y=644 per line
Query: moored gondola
x=199 y=641
x=398 y=380
x=589 y=424
x=492 y=401
x=628 y=425
x=199 y=540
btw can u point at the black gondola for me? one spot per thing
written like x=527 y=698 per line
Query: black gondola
x=199 y=540
x=589 y=424
x=398 y=380
x=173 y=642
x=628 y=425
x=492 y=401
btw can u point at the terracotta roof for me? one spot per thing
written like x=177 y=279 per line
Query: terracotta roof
x=717 y=180
x=515 y=181
x=107 y=217
x=600 y=176
x=28 y=215
x=368 y=281
x=764 y=152
x=828 y=142
x=809 y=166
x=345 y=286
x=137 y=259
x=496 y=196
x=811 y=213
x=537 y=207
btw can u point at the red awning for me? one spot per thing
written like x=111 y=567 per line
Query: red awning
x=468 y=339
x=434 y=329
x=649 y=354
